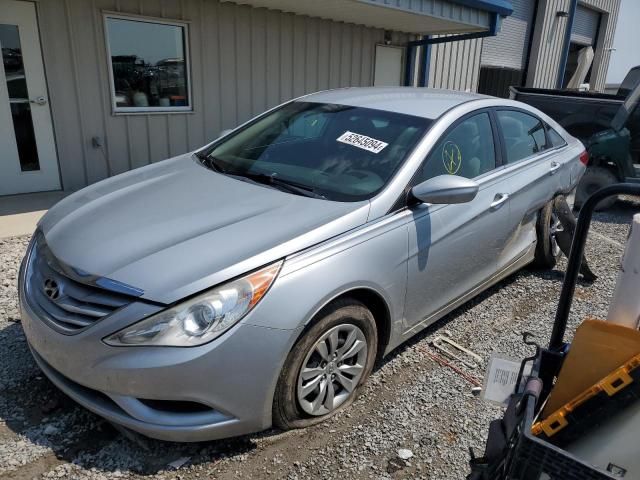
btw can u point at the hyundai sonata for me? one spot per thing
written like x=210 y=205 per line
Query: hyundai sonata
x=256 y=281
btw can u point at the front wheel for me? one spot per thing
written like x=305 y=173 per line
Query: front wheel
x=326 y=367
x=547 y=249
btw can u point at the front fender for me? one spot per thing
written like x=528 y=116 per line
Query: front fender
x=373 y=257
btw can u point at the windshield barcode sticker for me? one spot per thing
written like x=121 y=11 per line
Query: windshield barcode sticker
x=362 y=141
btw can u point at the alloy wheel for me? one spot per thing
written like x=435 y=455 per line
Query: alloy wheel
x=555 y=226
x=332 y=369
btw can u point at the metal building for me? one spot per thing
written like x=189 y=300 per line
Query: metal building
x=539 y=43
x=90 y=89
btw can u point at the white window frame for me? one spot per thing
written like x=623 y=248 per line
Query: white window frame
x=115 y=110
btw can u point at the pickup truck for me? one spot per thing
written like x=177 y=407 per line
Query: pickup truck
x=607 y=124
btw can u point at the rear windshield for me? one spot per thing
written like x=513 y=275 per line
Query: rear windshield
x=340 y=152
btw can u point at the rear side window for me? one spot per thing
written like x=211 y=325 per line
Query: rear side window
x=555 y=139
x=523 y=134
x=466 y=150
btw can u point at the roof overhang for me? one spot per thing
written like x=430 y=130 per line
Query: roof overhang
x=501 y=7
x=423 y=17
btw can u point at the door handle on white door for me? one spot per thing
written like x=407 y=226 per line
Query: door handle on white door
x=554 y=167
x=39 y=100
x=499 y=199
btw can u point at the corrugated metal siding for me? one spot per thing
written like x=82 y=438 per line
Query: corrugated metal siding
x=610 y=9
x=585 y=25
x=455 y=65
x=243 y=61
x=549 y=36
x=509 y=47
x=548 y=41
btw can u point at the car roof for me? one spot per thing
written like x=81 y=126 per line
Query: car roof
x=418 y=101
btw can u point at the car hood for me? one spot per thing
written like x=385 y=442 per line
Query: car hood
x=175 y=228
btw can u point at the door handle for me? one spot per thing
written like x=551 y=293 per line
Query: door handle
x=39 y=100
x=554 y=167
x=499 y=199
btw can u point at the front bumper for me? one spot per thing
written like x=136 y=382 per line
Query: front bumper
x=231 y=379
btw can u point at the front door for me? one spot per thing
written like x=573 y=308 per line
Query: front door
x=453 y=248
x=28 y=161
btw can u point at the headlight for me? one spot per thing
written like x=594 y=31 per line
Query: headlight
x=202 y=318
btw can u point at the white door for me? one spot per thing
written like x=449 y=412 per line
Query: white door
x=28 y=161
x=388 y=66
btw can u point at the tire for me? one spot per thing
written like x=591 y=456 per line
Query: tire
x=344 y=317
x=547 y=250
x=593 y=180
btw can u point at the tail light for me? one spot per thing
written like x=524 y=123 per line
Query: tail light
x=584 y=158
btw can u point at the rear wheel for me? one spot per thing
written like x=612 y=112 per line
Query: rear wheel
x=593 y=180
x=327 y=366
x=547 y=249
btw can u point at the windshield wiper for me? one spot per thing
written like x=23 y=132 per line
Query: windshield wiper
x=288 y=185
x=210 y=162
x=261 y=178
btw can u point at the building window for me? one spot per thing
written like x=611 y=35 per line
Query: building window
x=148 y=63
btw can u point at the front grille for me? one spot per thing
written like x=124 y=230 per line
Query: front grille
x=68 y=304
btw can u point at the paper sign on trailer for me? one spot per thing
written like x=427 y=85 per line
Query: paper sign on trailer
x=500 y=379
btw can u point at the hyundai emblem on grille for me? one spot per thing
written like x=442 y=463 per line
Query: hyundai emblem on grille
x=51 y=289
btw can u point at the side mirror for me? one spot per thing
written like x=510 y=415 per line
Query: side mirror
x=446 y=189
x=225 y=132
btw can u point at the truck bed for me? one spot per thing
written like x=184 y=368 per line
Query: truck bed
x=567 y=93
x=581 y=113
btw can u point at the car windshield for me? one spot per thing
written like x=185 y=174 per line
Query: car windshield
x=337 y=152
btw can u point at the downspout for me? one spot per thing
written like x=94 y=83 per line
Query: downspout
x=525 y=71
x=505 y=9
x=427 y=41
x=409 y=65
x=493 y=30
x=423 y=80
x=567 y=43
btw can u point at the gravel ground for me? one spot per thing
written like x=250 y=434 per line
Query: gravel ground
x=410 y=402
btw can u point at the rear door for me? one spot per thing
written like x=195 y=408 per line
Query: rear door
x=453 y=248
x=533 y=174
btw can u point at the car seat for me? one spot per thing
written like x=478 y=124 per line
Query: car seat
x=348 y=157
x=516 y=139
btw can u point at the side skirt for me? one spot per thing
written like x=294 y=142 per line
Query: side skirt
x=517 y=264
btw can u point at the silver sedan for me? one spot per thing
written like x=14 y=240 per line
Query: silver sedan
x=256 y=281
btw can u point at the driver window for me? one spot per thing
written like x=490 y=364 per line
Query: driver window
x=467 y=150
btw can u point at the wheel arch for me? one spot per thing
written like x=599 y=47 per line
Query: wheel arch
x=371 y=299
